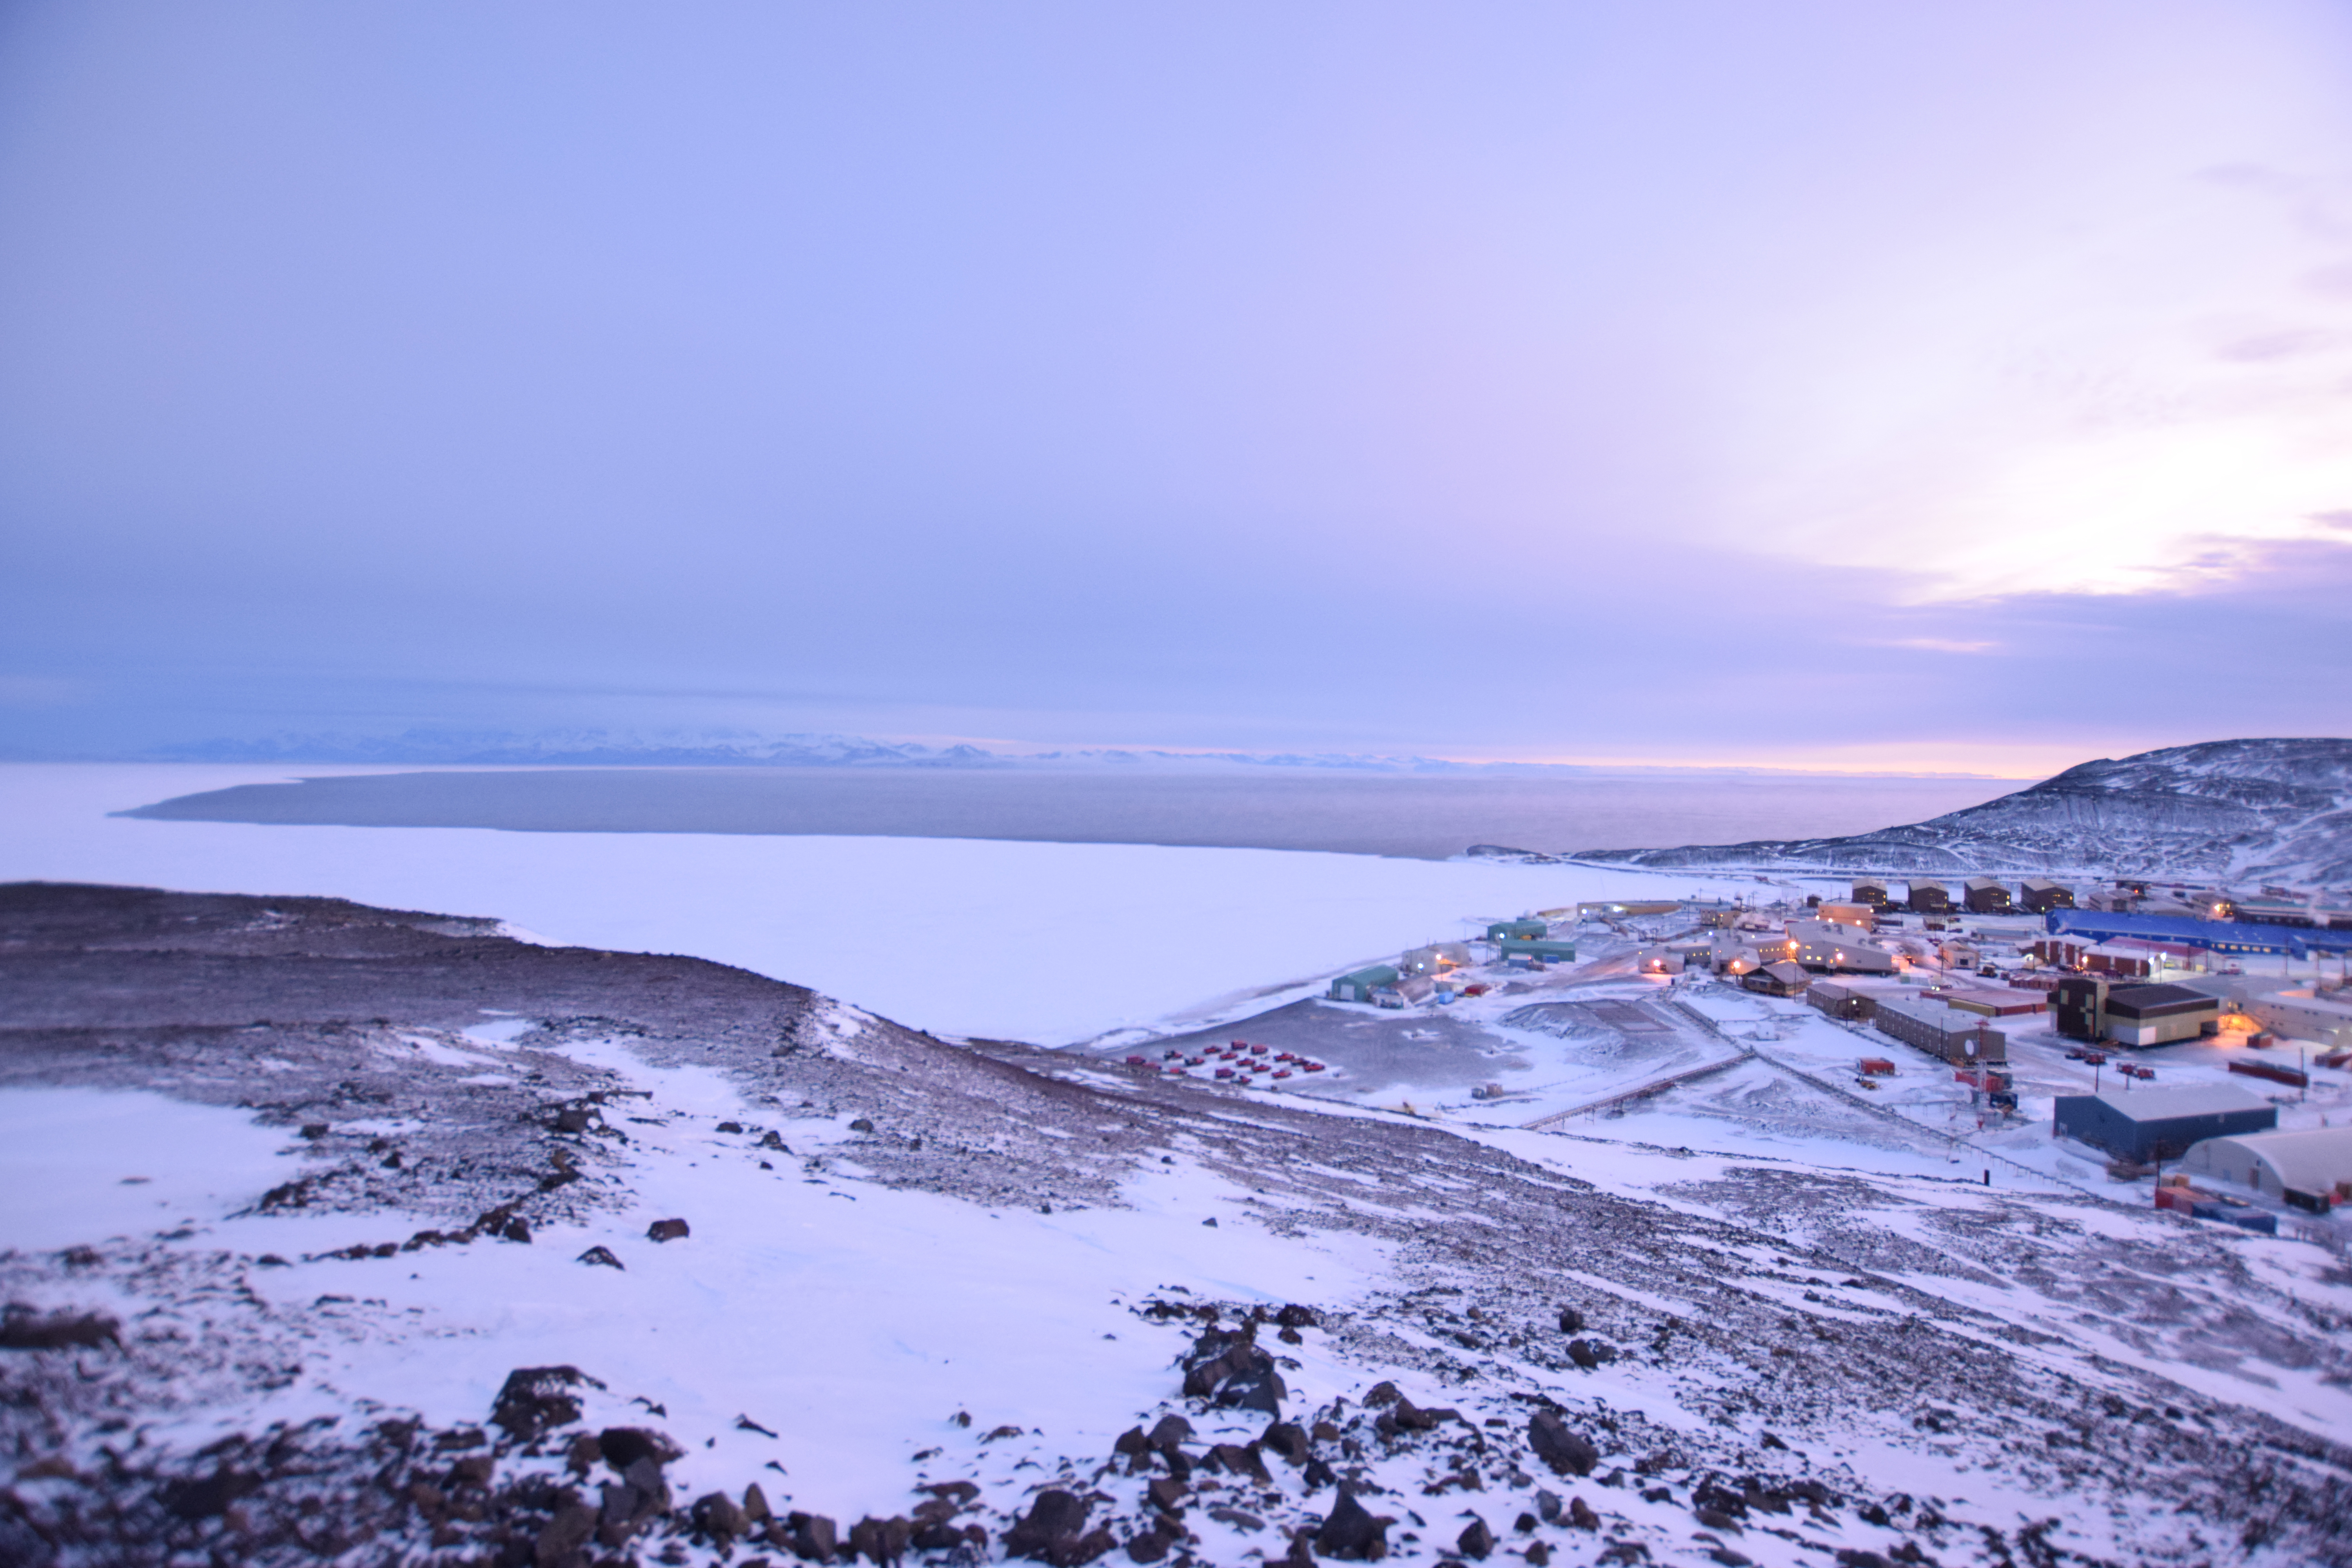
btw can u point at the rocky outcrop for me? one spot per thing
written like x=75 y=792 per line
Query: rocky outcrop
x=2277 y=810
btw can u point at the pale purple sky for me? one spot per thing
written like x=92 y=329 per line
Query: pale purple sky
x=1931 y=385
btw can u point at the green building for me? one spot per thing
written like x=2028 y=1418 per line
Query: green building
x=1525 y=930
x=1547 y=951
x=1359 y=986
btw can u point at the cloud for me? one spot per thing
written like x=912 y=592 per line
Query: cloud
x=1937 y=645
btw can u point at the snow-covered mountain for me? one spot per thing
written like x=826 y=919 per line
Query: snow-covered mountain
x=2268 y=810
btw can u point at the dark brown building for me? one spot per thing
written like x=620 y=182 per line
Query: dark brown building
x=1928 y=898
x=1985 y=896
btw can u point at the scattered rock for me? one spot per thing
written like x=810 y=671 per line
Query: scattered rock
x=718 y=1515
x=24 y=1329
x=1477 y=1540
x=1210 y=1222
x=1566 y=1452
x=881 y=1542
x=729 y=1127
x=810 y=1537
x=1165 y=1493
x=1289 y=1439
x=1547 y=1505
x=535 y=1400
x=602 y=1256
x=207 y=1497
x=1572 y=1321
x=861 y=1125
x=624 y=1446
x=573 y=1119
x=1240 y=1459
x=1295 y=1316
x=566 y=1533
x=1237 y=1519
x=1231 y=1370
x=1580 y=1517
x=1151 y=1545
x=1169 y=1431
x=1538 y=1553
x=1350 y=1531
x=1051 y=1531
x=668 y=1230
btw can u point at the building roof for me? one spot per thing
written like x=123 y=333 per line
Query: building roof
x=1935 y=1012
x=1378 y=974
x=2184 y=1100
x=2139 y=1001
x=2310 y=1160
x=2226 y=936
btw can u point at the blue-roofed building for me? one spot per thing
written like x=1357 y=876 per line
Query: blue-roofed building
x=2212 y=936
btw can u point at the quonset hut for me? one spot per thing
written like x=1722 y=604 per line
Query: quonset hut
x=2304 y=1168
x=2159 y=1124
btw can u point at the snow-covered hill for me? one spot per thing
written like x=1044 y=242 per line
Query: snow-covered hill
x=2267 y=810
x=349 y=1247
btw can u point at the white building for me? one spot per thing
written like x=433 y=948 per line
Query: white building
x=2310 y=1164
x=2306 y=1014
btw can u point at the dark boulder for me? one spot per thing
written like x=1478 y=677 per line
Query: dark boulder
x=1169 y=1431
x=1350 y=1531
x=566 y=1534
x=810 y=1537
x=535 y=1400
x=1052 y=1530
x=1579 y=1517
x=1235 y=1374
x=718 y=1515
x=881 y=1542
x=624 y=1446
x=668 y=1230
x=602 y=1256
x=1289 y=1439
x=207 y=1497
x=26 y=1329
x=1566 y=1452
x=1151 y=1545
x=1240 y=1459
x=1477 y=1540
x=1572 y=1321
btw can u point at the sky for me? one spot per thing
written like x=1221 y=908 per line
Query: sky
x=1825 y=383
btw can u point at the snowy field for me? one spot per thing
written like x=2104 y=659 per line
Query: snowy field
x=1051 y=943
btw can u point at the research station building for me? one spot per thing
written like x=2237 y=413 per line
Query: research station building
x=2159 y=1124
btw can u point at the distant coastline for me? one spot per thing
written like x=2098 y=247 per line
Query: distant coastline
x=1412 y=815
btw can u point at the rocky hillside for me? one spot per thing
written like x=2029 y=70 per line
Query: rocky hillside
x=2270 y=811
x=900 y=1300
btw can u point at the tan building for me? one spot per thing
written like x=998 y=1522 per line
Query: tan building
x=2322 y=1018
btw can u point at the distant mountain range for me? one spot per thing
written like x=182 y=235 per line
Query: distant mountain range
x=2276 y=811
x=724 y=747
